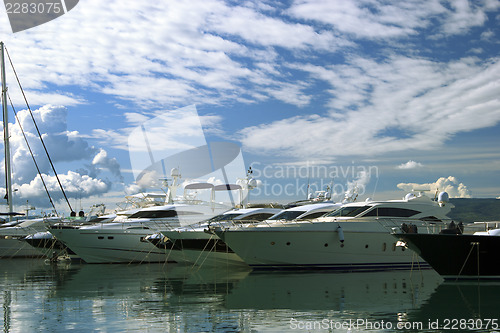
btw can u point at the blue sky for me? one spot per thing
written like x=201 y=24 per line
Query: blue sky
x=409 y=89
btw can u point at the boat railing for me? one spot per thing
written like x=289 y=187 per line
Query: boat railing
x=395 y=225
x=436 y=227
x=430 y=226
x=266 y=223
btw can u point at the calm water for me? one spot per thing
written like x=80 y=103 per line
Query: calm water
x=163 y=298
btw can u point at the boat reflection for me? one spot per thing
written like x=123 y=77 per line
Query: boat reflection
x=174 y=297
x=365 y=292
x=470 y=303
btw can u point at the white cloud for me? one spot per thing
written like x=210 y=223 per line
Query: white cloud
x=398 y=104
x=358 y=185
x=263 y=30
x=466 y=15
x=370 y=19
x=209 y=51
x=63 y=146
x=451 y=185
x=410 y=165
x=75 y=186
x=102 y=160
x=380 y=19
x=166 y=53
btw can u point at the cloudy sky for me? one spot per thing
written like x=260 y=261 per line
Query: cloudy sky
x=383 y=95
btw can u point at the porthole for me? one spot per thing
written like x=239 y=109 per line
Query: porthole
x=100 y=237
x=326 y=244
x=366 y=246
x=272 y=243
x=287 y=243
x=111 y=237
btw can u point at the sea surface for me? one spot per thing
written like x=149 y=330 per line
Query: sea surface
x=41 y=297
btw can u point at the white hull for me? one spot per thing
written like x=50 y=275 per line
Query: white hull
x=112 y=246
x=366 y=246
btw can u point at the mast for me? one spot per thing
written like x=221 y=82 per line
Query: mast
x=8 y=176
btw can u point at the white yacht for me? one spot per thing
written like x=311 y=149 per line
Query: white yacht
x=194 y=245
x=354 y=237
x=48 y=246
x=212 y=251
x=124 y=241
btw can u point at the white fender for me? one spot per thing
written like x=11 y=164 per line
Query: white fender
x=341 y=233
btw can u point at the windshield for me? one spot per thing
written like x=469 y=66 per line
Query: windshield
x=256 y=217
x=314 y=215
x=223 y=217
x=288 y=215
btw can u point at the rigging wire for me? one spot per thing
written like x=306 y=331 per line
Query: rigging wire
x=32 y=155
x=38 y=131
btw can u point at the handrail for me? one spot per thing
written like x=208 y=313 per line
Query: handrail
x=389 y=221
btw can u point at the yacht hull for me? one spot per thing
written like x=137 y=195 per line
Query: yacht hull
x=458 y=256
x=49 y=247
x=359 y=246
x=112 y=246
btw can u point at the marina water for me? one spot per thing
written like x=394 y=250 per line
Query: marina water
x=44 y=297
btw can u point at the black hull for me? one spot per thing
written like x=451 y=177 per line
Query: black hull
x=458 y=256
x=214 y=245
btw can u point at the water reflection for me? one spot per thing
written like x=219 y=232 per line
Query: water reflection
x=462 y=304
x=157 y=297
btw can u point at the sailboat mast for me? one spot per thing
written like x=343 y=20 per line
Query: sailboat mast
x=8 y=178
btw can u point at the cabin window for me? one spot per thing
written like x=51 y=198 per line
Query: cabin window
x=430 y=219
x=100 y=237
x=154 y=214
x=111 y=237
x=391 y=212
